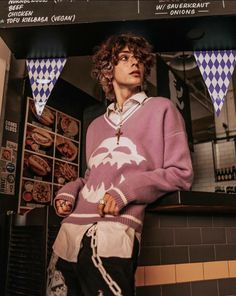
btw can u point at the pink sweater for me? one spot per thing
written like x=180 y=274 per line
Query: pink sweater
x=151 y=159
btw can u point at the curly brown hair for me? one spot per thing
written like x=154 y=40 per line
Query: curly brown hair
x=107 y=56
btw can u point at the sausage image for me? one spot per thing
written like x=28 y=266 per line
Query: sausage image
x=42 y=137
x=38 y=165
x=47 y=117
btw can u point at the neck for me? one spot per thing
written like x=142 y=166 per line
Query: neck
x=123 y=95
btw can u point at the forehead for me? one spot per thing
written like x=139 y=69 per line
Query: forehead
x=125 y=49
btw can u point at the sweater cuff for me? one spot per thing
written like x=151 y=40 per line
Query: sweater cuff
x=118 y=195
x=66 y=197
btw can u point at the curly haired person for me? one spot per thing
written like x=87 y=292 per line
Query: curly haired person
x=136 y=152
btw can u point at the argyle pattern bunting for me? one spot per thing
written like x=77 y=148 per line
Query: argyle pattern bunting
x=43 y=75
x=216 y=67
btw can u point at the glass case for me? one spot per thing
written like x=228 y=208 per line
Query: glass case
x=224 y=158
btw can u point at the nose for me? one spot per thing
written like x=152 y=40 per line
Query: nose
x=134 y=60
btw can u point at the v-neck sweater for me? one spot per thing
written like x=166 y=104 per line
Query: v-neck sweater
x=152 y=158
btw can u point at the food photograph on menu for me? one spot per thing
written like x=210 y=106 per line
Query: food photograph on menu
x=64 y=172
x=35 y=192
x=37 y=167
x=66 y=149
x=51 y=153
x=39 y=140
x=67 y=126
x=47 y=120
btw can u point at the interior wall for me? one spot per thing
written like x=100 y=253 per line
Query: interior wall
x=5 y=59
x=227 y=114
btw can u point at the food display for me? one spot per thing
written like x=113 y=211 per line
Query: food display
x=27 y=192
x=66 y=149
x=41 y=192
x=47 y=117
x=67 y=126
x=64 y=172
x=50 y=155
x=38 y=165
x=39 y=140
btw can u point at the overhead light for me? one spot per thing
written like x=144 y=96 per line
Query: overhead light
x=183 y=61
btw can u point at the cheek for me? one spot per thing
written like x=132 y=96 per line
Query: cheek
x=141 y=68
x=119 y=74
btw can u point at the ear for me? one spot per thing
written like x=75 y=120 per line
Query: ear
x=108 y=75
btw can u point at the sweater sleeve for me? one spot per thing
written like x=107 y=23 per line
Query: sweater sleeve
x=70 y=191
x=175 y=174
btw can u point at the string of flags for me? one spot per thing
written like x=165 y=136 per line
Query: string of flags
x=216 y=67
x=43 y=75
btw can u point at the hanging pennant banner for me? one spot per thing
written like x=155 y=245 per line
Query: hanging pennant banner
x=43 y=75
x=216 y=67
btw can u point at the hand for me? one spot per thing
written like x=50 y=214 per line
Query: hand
x=109 y=206
x=63 y=206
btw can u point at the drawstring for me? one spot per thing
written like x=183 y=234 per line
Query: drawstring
x=92 y=232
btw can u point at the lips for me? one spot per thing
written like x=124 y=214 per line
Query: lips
x=136 y=72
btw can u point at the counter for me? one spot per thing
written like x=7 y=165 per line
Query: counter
x=195 y=202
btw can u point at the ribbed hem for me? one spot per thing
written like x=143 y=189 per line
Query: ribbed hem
x=119 y=197
x=66 y=197
x=124 y=220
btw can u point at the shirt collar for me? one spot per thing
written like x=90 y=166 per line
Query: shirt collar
x=138 y=98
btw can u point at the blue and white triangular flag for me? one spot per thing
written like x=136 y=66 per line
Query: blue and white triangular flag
x=216 y=67
x=43 y=75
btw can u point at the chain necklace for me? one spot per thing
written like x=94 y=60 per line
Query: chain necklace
x=118 y=131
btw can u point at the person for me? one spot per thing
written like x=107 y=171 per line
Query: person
x=136 y=152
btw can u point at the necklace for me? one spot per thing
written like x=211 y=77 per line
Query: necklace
x=119 y=132
x=126 y=114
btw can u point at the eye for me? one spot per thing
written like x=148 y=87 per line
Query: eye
x=124 y=57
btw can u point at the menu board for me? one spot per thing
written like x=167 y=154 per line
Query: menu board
x=18 y=13
x=50 y=155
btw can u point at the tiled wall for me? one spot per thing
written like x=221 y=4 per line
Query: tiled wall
x=187 y=255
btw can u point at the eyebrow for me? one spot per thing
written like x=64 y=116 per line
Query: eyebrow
x=125 y=51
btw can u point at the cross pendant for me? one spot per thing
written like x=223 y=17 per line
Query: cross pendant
x=118 y=134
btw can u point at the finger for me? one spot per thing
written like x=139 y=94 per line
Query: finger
x=116 y=211
x=112 y=206
x=100 y=209
x=58 y=202
x=63 y=206
x=109 y=205
x=61 y=211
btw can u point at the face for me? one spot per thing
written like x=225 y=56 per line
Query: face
x=129 y=71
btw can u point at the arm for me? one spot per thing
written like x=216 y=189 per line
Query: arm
x=66 y=197
x=175 y=173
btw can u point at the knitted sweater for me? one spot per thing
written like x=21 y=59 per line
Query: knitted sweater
x=151 y=159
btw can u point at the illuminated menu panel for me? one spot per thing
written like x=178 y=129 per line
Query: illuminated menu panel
x=50 y=155
x=18 y=13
